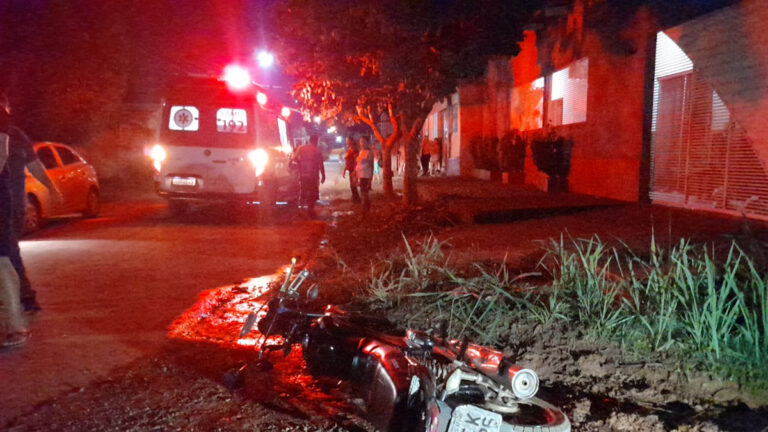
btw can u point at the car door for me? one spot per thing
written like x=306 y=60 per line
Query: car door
x=71 y=179
x=54 y=170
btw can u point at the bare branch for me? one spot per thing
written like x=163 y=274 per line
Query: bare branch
x=365 y=116
x=417 y=122
x=362 y=116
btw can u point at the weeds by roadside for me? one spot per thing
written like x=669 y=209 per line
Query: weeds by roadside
x=682 y=302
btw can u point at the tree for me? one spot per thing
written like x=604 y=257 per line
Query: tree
x=363 y=60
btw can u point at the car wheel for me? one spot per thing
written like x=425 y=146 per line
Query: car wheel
x=33 y=218
x=92 y=203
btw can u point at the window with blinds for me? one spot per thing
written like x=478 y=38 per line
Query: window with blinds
x=568 y=94
x=701 y=158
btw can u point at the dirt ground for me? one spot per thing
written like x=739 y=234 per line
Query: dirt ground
x=180 y=387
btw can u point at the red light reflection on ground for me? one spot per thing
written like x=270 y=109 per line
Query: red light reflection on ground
x=219 y=314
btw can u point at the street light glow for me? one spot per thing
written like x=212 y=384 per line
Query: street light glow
x=317 y=119
x=265 y=59
x=285 y=112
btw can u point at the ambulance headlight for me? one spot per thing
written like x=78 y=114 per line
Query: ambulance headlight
x=158 y=155
x=259 y=159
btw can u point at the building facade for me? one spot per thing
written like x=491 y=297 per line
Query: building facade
x=658 y=108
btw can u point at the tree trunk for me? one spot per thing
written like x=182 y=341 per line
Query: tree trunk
x=410 y=194
x=386 y=159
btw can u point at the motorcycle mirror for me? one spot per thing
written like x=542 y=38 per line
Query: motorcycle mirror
x=313 y=292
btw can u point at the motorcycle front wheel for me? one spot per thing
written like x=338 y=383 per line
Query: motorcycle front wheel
x=531 y=415
x=539 y=415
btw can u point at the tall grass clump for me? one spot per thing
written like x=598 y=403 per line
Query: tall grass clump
x=709 y=300
x=584 y=269
x=683 y=300
x=651 y=302
x=482 y=307
x=421 y=266
x=752 y=338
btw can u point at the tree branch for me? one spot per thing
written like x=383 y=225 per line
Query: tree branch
x=367 y=118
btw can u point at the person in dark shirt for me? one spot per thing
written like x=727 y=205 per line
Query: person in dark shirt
x=13 y=326
x=310 y=163
x=350 y=162
x=21 y=157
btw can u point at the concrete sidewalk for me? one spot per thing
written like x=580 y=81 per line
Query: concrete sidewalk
x=481 y=201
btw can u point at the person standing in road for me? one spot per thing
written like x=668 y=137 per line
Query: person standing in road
x=425 y=156
x=13 y=327
x=364 y=168
x=402 y=153
x=350 y=163
x=310 y=164
x=434 y=156
x=21 y=156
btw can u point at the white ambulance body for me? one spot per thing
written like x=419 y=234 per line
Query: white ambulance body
x=215 y=144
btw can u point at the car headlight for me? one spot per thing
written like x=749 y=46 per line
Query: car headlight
x=259 y=159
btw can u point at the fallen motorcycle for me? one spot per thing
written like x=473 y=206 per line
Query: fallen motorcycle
x=409 y=380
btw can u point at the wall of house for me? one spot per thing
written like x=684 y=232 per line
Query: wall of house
x=471 y=105
x=452 y=152
x=498 y=83
x=608 y=148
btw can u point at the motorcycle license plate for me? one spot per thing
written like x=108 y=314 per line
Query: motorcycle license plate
x=183 y=181
x=469 y=418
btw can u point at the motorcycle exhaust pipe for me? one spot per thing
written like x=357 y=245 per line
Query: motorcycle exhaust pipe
x=523 y=382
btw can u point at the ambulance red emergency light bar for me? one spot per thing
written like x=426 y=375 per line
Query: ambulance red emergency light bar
x=238 y=79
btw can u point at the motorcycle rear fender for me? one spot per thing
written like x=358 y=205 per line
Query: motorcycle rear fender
x=382 y=375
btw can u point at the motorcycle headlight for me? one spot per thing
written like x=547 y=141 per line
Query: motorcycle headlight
x=259 y=159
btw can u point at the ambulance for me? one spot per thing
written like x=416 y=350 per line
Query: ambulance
x=222 y=140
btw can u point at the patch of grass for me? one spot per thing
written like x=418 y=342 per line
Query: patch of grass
x=419 y=268
x=681 y=301
x=584 y=274
x=548 y=308
x=708 y=301
x=651 y=303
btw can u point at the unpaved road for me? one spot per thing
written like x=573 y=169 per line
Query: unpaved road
x=111 y=286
